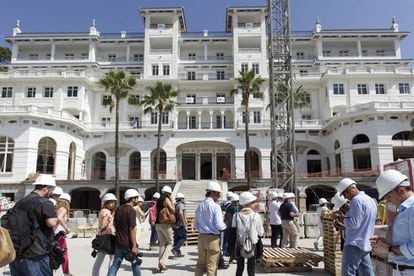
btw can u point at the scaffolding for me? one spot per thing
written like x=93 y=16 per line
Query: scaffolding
x=281 y=95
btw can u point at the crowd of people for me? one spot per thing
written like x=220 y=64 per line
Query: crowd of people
x=233 y=230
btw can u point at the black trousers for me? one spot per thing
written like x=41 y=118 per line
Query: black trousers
x=277 y=232
x=251 y=262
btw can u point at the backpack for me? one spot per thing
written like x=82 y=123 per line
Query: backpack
x=246 y=246
x=20 y=221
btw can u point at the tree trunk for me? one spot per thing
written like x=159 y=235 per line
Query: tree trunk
x=117 y=191
x=157 y=162
x=248 y=165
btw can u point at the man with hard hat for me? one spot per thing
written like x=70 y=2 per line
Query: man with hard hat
x=34 y=258
x=288 y=212
x=57 y=192
x=341 y=207
x=228 y=217
x=153 y=219
x=323 y=206
x=180 y=226
x=227 y=203
x=359 y=228
x=209 y=224
x=275 y=220
x=395 y=188
x=125 y=235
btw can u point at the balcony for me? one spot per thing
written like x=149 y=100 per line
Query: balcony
x=205 y=100
x=160 y=51
x=250 y=50
x=161 y=29
x=127 y=125
x=42 y=74
x=205 y=125
x=209 y=59
x=204 y=76
x=338 y=54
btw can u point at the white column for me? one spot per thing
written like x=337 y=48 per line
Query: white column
x=61 y=164
x=197 y=168
x=176 y=121
x=214 y=165
x=240 y=174
x=347 y=160
x=53 y=51
x=359 y=48
x=128 y=52
x=15 y=52
x=171 y=165
x=319 y=49
x=397 y=48
x=211 y=119
x=222 y=119
x=381 y=155
x=145 y=164
x=205 y=51
x=266 y=172
x=92 y=51
x=188 y=120
x=199 y=119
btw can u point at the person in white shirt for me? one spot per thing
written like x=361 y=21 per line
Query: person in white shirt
x=275 y=220
x=323 y=206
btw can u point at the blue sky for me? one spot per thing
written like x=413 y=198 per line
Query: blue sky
x=114 y=16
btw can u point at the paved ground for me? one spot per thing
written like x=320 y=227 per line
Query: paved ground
x=81 y=261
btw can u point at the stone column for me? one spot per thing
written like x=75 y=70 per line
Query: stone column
x=211 y=119
x=146 y=165
x=347 y=160
x=92 y=51
x=205 y=51
x=61 y=164
x=128 y=53
x=171 y=165
x=188 y=120
x=198 y=165
x=53 y=51
x=15 y=52
x=214 y=165
x=359 y=48
x=222 y=119
x=240 y=170
x=266 y=172
x=199 y=119
x=381 y=155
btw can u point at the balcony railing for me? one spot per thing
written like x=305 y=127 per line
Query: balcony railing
x=31 y=74
x=128 y=125
x=205 y=100
x=337 y=54
x=250 y=50
x=204 y=76
x=378 y=54
x=209 y=58
x=160 y=51
x=205 y=125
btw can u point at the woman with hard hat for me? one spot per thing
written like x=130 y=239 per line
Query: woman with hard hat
x=140 y=216
x=323 y=206
x=62 y=210
x=105 y=226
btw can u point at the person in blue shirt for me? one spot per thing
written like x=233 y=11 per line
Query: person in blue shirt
x=359 y=228
x=395 y=188
x=209 y=224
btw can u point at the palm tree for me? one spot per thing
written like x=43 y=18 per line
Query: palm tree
x=249 y=85
x=160 y=100
x=300 y=96
x=119 y=84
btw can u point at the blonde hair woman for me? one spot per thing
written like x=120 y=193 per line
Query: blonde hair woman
x=62 y=208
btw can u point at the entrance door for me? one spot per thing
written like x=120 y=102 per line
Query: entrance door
x=314 y=167
x=223 y=166
x=206 y=166
x=188 y=166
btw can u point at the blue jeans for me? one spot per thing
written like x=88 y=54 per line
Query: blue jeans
x=120 y=254
x=37 y=266
x=354 y=259
x=154 y=235
x=226 y=237
x=180 y=236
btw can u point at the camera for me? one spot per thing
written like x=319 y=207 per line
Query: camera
x=94 y=253
x=59 y=251
x=134 y=259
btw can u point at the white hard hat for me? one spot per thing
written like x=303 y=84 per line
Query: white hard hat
x=53 y=201
x=179 y=195
x=235 y=197
x=338 y=200
x=322 y=201
x=285 y=195
x=65 y=196
x=229 y=194
x=166 y=189
x=45 y=179
x=292 y=195
x=156 y=195
x=213 y=186
x=273 y=195
x=280 y=195
x=140 y=199
x=109 y=197
x=57 y=191
x=131 y=193
x=246 y=198
x=388 y=180
x=344 y=184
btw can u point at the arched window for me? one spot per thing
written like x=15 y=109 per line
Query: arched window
x=163 y=163
x=135 y=165
x=337 y=145
x=46 y=155
x=98 y=166
x=403 y=135
x=255 y=171
x=71 y=161
x=360 y=139
x=313 y=152
x=6 y=154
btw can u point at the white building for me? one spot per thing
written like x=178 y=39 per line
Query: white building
x=54 y=118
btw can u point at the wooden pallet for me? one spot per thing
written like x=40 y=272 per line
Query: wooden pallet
x=192 y=234
x=332 y=254
x=289 y=260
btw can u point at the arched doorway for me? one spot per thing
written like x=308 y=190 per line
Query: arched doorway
x=85 y=198
x=314 y=163
x=255 y=168
x=135 y=165
x=403 y=146
x=46 y=156
x=98 y=166
x=71 y=161
x=163 y=164
x=362 y=155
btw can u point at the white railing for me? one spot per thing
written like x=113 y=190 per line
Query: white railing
x=250 y=50
x=160 y=51
x=28 y=74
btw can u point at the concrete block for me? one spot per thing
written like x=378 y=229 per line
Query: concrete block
x=302 y=231
x=81 y=221
x=301 y=219
x=77 y=214
x=311 y=231
x=311 y=219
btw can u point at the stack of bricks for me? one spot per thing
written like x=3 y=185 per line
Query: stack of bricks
x=332 y=255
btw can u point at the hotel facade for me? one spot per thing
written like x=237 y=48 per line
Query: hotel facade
x=55 y=118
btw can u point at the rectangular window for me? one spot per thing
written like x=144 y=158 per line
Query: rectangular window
x=155 y=69
x=69 y=56
x=192 y=122
x=327 y=53
x=220 y=56
x=380 y=53
x=106 y=121
x=191 y=75
x=48 y=92
x=7 y=92
x=154 y=118
x=244 y=117
x=72 y=91
x=33 y=56
x=338 y=89
x=362 y=89
x=257 y=119
x=134 y=99
x=379 y=88
x=220 y=75
x=306 y=117
x=255 y=68
x=307 y=98
x=106 y=100
x=165 y=118
x=191 y=56
x=190 y=99
x=134 y=121
x=404 y=88
x=300 y=55
x=343 y=53
x=364 y=53
x=111 y=57
x=166 y=69
x=244 y=67
x=31 y=92
x=138 y=57
x=84 y=56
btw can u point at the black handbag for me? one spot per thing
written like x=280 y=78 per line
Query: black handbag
x=104 y=243
x=259 y=248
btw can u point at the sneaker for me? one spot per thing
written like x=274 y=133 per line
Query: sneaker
x=316 y=245
x=175 y=253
